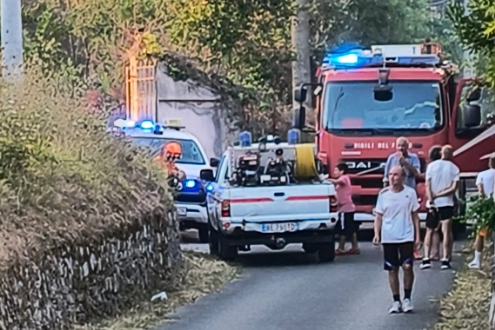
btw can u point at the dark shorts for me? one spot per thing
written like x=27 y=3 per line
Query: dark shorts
x=397 y=254
x=434 y=216
x=445 y=213
x=346 y=225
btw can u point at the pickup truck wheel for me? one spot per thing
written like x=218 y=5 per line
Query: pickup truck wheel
x=226 y=252
x=326 y=252
x=203 y=234
x=310 y=248
x=213 y=240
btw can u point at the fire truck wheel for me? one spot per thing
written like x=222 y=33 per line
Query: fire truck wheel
x=326 y=252
x=226 y=252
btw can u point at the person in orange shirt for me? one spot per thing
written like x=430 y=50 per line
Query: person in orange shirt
x=168 y=154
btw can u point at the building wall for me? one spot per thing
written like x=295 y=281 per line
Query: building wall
x=197 y=106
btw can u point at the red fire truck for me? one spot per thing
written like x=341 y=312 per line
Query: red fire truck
x=366 y=99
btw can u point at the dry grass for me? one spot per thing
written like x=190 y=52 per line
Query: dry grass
x=201 y=275
x=466 y=306
x=63 y=178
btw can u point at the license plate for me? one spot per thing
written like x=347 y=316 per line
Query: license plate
x=279 y=227
x=181 y=211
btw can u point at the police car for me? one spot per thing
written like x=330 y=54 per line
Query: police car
x=190 y=198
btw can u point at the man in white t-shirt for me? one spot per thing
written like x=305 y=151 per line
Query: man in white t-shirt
x=397 y=228
x=442 y=178
x=485 y=182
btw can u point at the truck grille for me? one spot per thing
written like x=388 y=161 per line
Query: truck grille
x=187 y=197
x=359 y=165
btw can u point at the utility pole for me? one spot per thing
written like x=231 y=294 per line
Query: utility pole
x=11 y=26
x=468 y=71
x=301 y=67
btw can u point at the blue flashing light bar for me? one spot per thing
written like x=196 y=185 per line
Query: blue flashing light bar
x=358 y=58
x=147 y=124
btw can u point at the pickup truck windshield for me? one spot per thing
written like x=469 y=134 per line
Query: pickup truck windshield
x=416 y=106
x=191 y=154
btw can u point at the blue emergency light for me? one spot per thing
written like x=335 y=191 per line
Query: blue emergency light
x=350 y=57
x=147 y=124
x=245 y=139
x=190 y=183
x=209 y=187
x=293 y=136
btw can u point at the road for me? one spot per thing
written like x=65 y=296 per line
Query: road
x=289 y=290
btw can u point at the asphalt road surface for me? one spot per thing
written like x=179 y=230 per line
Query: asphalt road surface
x=289 y=290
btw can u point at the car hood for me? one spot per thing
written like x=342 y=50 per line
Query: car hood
x=192 y=171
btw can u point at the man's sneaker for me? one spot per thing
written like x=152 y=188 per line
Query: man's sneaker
x=425 y=264
x=445 y=264
x=407 y=306
x=396 y=308
x=475 y=264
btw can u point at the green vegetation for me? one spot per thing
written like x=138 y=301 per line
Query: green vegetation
x=476 y=31
x=60 y=169
x=247 y=42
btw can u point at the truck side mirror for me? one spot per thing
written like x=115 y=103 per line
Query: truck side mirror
x=214 y=162
x=472 y=115
x=474 y=95
x=299 y=119
x=207 y=175
x=300 y=93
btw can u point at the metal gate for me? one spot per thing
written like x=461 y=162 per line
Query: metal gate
x=140 y=82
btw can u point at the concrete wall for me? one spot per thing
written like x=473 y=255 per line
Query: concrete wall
x=198 y=107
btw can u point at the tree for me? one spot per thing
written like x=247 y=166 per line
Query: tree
x=476 y=30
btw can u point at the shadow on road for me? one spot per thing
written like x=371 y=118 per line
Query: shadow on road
x=269 y=258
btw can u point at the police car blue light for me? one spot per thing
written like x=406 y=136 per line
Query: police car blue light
x=147 y=124
x=190 y=183
x=124 y=123
x=209 y=187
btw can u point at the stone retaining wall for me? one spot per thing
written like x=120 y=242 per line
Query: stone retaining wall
x=76 y=283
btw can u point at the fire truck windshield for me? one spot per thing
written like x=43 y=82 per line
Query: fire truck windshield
x=352 y=107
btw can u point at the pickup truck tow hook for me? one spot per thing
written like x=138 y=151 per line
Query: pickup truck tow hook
x=280 y=242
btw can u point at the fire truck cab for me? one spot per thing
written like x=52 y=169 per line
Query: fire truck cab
x=366 y=99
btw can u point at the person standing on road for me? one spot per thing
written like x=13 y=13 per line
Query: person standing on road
x=397 y=228
x=407 y=160
x=485 y=182
x=442 y=178
x=347 y=227
x=432 y=237
x=410 y=163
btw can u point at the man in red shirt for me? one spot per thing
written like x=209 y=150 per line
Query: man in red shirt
x=346 y=226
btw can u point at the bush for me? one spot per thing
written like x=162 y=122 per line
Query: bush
x=72 y=195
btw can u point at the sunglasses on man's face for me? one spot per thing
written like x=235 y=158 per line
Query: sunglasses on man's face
x=174 y=156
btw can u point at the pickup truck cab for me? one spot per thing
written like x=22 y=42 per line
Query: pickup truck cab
x=190 y=195
x=270 y=215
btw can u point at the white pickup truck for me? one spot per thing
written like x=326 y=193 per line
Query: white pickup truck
x=273 y=215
